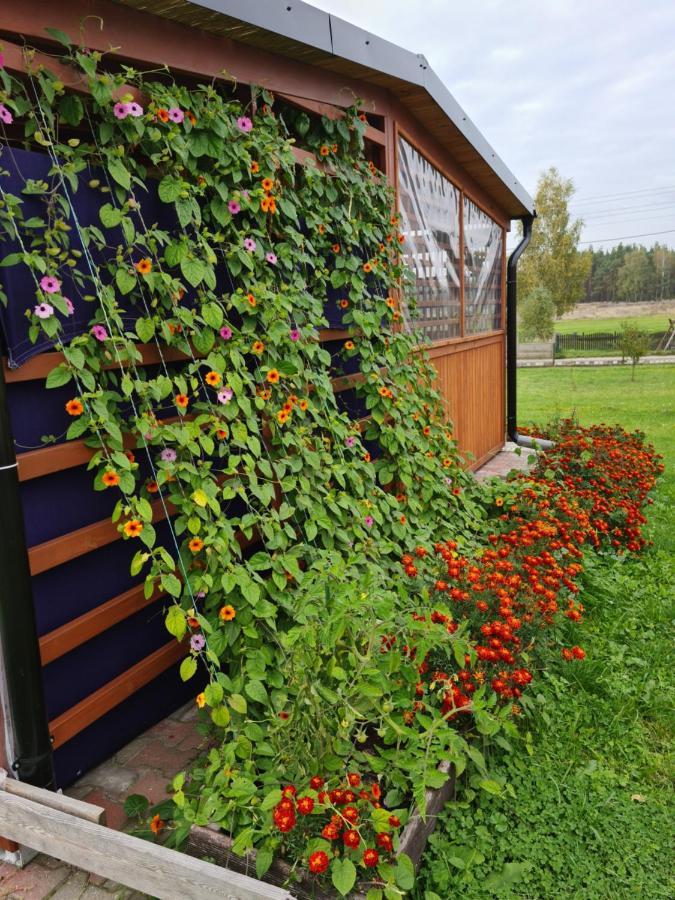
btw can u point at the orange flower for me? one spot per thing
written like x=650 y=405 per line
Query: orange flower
x=74 y=408
x=334 y=148
x=255 y=167
x=303 y=404
x=264 y=393
x=196 y=544
x=200 y=700
x=349 y=345
x=343 y=304
x=282 y=417
x=163 y=115
x=267 y=184
x=321 y=229
x=152 y=487
x=292 y=399
x=133 y=528
x=366 y=457
x=212 y=378
x=251 y=299
x=265 y=204
x=221 y=434
x=335 y=248
x=227 y=613
x=192 y=117
x=181 y=401
x=384 y=392
x=110 y=479
x=324 y=150
x=402 y=520
x=367 y=267
x=273 y=205
x=144 y=266
x=391 y=303
x=362 y=117
x=257 y=347
x=287 y=407
x=499 y=501
x=130 y=456
x=273 y=376
x=156 y=824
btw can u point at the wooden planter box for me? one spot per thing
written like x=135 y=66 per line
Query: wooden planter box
x=213 y=844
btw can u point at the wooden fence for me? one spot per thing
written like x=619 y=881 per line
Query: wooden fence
x=602 y=340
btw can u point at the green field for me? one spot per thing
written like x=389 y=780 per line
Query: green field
x=651 y=323
x=588 y=811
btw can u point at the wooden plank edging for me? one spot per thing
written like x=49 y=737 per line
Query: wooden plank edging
x=135 y=863
x=90 y=812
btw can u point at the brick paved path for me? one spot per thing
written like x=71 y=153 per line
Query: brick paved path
x=505 y=461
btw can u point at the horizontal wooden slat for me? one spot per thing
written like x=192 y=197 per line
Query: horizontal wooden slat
x=62 y=640
x=90 y=812
x=96 y=705
x=40 y=366
x=332 y=112
x=46 y=460
x=62 y=549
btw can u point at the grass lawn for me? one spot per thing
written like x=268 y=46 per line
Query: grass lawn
x=588 y=811
x=658 y=322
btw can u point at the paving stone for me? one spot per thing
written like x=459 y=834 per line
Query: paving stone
x=99 y=893
x=188 y=713
x=131 y=749
x=171 y=733
x=35 y=882
x=153 y=786
x=168 y=760
x=112 y=779
x=73 y=888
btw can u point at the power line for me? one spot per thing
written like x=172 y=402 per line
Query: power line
x=627 y=209
x=596 y=197
x=625 y=237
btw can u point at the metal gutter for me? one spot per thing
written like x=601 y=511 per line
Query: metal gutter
x=512 y=330
x=28 y=744
x=301 y=22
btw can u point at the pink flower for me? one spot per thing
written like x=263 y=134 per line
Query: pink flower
x=246 y=195
x=121 y=110
x=249 y=244
x=350 y=441
x=368 y=521
x=244 y=124
x=225 y=333
x=44 y=310
x=135 y=110
x=197 y=642
x=233 y=207
x=225 y=395
x=176 y=114
x=99 y=332
x=50 y=285
x=5 y=115
x=271 y=258
x=70 y=306
x=168 y=455
x=294 y=334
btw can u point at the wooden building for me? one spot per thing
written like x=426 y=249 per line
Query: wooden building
x=106 y=668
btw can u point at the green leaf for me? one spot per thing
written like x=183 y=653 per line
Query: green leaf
x=58 y=376
x=171 y=585
x=175 y=622
x=263 y=860
x=243 y=842
x=170 y=189
x=125 y=281
x=12 y=259
x=119 y=172
x=405 y=872
x=59 y=36
x=71 y=109
x=238 y=703
x=188 y=668
x=271 y=799
x=220 y=716
x=492 y=787
x=343 y=875
x=256 y=691
x=135 y=806
x=193 y=271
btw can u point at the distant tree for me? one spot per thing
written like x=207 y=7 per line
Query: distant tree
x=537 y=312
x=634 y=344
x=635 y=277
x=553 y=260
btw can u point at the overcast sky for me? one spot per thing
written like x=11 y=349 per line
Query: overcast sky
x=584 y=85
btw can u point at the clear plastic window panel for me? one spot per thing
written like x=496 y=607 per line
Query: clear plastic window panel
x=483 y=242
x=430 y=206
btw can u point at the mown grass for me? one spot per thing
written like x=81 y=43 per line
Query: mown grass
x=590 y=813
x=650 y=323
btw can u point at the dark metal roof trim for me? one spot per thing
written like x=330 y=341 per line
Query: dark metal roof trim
x=301 y=22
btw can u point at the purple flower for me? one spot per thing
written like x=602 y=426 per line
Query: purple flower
x=197 y=642
x=225 y=395
x=50 y=285
x=244 y=124
x=200 y=595
x=448 y=481
x=294 y=334
x=250 y=245
x=121 y=110
x=44 y=310
x=350 y=441
x=5 y=115
x=176 y=114
x=99 y=332
x=271 y=258
x=168 y=454
x=135 y=109
x=70 y=306
x=225 y=333
x=368 y=521
x=233 y=207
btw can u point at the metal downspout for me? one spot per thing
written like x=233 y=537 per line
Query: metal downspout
x=29 y=749
x=512 y=329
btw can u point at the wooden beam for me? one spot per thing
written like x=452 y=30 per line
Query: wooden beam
x=331 y=112
x=141 y=865
x=69 y=546
x=76 y=632
x=40 y=366
x=78 y=808
x=96 y=705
